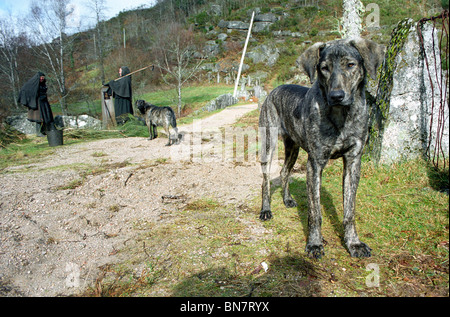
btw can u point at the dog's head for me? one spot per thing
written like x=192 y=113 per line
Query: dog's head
x=341 y=66
x=140 y=104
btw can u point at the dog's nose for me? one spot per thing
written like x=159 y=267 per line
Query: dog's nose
x=337 y=96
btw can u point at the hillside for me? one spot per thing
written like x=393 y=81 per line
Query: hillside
x=295 y=25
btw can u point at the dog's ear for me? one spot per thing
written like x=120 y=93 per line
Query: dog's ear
x=309 y=59
x=372 y=54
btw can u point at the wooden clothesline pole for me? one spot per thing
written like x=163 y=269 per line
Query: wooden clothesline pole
x=135 y=72
x=243 y=55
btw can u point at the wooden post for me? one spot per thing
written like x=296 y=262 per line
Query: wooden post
x=108 y=113
x=243 y=55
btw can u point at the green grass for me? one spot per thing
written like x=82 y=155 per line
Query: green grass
x=26 y=150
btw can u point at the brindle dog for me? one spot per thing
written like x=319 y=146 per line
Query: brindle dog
x=328 y=120
x=159 y=116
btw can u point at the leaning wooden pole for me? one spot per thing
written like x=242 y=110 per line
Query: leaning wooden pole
x=243 y=56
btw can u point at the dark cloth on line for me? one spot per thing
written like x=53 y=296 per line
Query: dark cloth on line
x=33 y=95
x=122 y=93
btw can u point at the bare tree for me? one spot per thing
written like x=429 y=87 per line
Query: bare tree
x=351 y=20
x=98 y=7
x=174 y=49
x=48 y=25
x=10 y=43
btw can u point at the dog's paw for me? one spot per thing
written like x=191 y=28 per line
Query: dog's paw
x=315 y=250
x=360 y=250
x=265 y=215
x=290 y=203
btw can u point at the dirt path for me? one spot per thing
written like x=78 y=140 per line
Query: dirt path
x=63 y=219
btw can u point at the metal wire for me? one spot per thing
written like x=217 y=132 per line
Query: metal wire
x=439 y=84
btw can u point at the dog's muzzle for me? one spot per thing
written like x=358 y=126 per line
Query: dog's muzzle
x=337 y=98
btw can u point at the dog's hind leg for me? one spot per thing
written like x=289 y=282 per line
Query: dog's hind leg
x=150 y=133
x=176 y=139
x=291 y=154
x=269 y=144
x=155 y=131
x=352 y=168
x=167 y=130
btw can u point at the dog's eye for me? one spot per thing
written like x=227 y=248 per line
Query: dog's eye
x=324 y=68
x=351 y=65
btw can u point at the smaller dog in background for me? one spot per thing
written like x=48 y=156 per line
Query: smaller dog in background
x=159 y=116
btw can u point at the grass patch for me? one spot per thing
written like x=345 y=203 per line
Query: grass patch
x=26 y=150
x=193 y=97
x=91 y=171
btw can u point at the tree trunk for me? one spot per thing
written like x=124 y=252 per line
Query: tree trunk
x=351 y=19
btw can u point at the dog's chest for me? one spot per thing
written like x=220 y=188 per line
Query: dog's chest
x=337 y=131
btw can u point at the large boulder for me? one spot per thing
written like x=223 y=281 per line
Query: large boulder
x=266 y=17
x=407 y=133
x=21 y=123
x=267 y=54
x=221 y=102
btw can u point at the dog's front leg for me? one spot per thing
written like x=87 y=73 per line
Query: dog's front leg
x=352 y=170
x=314 y=246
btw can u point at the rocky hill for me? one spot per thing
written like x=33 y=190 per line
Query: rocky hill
x=281 y=31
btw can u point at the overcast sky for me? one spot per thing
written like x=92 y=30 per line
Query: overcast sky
x=81 y=12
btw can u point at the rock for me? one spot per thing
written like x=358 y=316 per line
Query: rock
x=264 y=54
x=211 y=49
x=21 y=123
x=237 y=25
x=261 y=26
x=220 y=102
x=215 y=10
x=266 y=17
x=78 y=122
x=223 y=24
x=222 y=37
x=406 y=134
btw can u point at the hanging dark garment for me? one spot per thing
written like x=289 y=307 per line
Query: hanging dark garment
x=33 y=95
x=121 y=91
